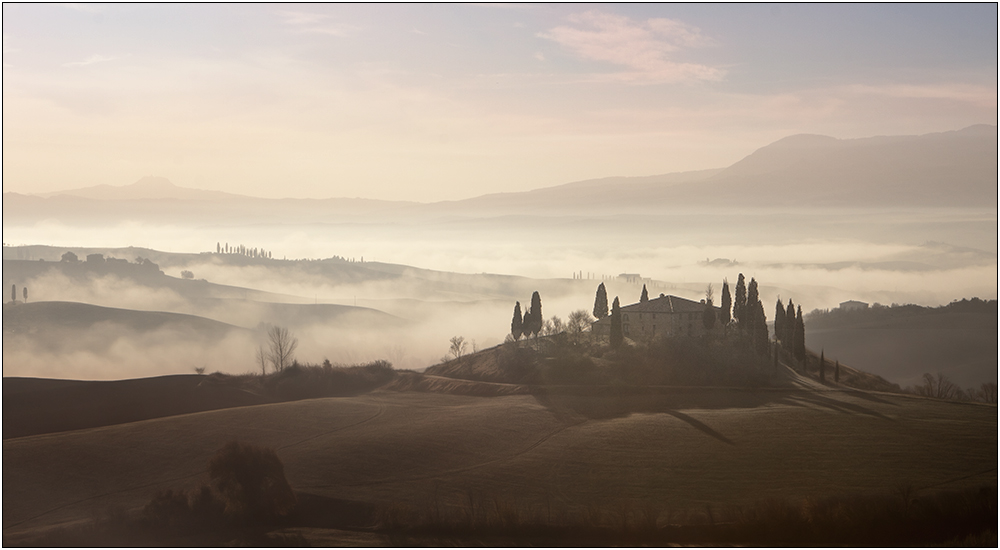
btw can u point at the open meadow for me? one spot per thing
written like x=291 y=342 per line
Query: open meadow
x=560 y=457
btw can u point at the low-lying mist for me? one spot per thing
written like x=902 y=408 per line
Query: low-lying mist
x=467 y=273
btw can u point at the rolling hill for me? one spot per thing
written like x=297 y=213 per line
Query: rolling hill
x=901 y=343
x=421 y=451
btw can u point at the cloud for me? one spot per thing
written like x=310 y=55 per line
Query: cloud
x=96 y=58
x=643 y=47
x=316 y=23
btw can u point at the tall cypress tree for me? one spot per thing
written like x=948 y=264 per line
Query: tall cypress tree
x=749 y=323
x=800 y=336
x=616 y=325
x=740 y=301
x=645 y=295
x=779 y=320
x=516 y=322
x=789 y=336
x=536 y=313
x=601 y=302
x=822 y=367
x=727 y=303
x=760 y=339
x=752 y=295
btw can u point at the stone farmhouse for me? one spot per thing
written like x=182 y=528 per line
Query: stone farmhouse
x=663 y=316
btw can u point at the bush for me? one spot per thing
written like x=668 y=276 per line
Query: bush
x=250 y=481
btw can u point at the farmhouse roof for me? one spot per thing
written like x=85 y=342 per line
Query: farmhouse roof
x=665 y=304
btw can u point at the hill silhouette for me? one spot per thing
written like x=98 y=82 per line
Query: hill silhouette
x=149 y=187
x=35 y=317
x=954 y=169
x=901 y=343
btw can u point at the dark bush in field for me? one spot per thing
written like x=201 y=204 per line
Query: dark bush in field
x=250 y=481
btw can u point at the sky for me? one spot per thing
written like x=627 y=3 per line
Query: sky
x=443 y=102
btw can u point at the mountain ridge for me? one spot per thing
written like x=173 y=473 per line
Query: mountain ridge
x=955 y=168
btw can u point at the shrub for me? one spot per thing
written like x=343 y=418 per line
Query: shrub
x=251 y=483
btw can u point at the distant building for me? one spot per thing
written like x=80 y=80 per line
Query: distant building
x=663 y=316
x=853 y=305
x=630 y=277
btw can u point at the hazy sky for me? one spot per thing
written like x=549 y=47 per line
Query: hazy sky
x=434 y=102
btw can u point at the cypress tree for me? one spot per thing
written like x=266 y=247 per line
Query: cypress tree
x=800 y=336
x=749 y=320
x=536 y=314
x=13 y=293
x=752 y=294
x=601 y=302
x=789 y=336
x=822 y=367
x=727 y=303
x=760 y=340
x=645 y=295
x=516 y=322
x=779 y=320
x=836 y=372
x=740 y=302
x=616 y=325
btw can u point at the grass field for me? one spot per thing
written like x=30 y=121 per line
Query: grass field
x=564 y=454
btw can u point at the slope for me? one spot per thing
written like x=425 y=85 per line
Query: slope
x=416 y=451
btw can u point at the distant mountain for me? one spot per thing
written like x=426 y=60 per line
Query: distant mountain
x=933 y=170
x=149 y=187
x=948 y=169
x=942 y=169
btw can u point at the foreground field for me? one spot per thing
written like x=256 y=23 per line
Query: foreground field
x=683 y=450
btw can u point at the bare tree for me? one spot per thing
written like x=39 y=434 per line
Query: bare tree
x=939 y=387
x=557 y=325
x=986 y=393
x=282 y=347
x=579 y=320
x=263 y=358
x=458 y=346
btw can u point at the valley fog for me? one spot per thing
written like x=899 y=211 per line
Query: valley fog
x=438 y=279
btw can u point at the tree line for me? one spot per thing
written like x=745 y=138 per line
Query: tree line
x=242 y=251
